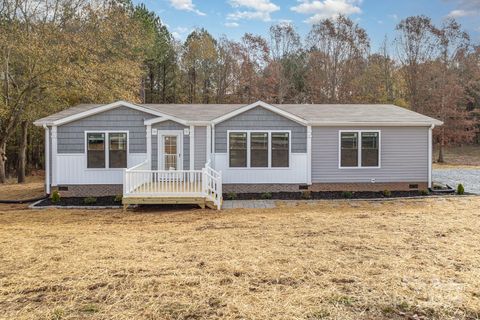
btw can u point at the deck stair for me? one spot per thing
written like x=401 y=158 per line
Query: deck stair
x=141 y=185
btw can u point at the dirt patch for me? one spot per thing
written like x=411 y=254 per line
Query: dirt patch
x=401 y=259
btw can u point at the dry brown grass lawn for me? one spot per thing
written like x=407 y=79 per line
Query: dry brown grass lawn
x=463 y=156
x=404 y=259
x=14 y=191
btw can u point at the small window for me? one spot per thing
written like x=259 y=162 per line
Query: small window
x=95 y=150
x=280 y=149
x=117 y=156
x=259 y=149
x=369 y=149
x=238 y=149
x=349 y=149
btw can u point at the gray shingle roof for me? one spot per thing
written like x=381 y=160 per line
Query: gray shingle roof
x=319 y=114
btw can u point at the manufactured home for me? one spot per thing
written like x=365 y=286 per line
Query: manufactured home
x=194 y=153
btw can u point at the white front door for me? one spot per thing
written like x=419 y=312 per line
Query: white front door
x=170 y=146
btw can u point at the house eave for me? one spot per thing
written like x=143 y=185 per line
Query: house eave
x=374 y=124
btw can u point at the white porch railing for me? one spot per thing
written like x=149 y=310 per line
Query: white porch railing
x=143 y=182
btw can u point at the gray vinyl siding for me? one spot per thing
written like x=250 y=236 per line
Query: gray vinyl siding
x=200 y=147
x=170 y=125
x=261 y=119
x=404 y=156
x=71 y=136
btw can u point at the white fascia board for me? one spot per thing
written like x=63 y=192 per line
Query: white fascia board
x=163 y=119
x=262 y=104
x=104 y=108
x=370 y=124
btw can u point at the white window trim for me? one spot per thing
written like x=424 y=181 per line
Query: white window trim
x=359 y=160
x=248 y=132
x=107 y=148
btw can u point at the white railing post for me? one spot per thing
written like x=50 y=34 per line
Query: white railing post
x=204 y=181
x=125 y=182
x=219 y=186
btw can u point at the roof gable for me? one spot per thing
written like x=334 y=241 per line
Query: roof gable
x=95 y=109
x=264 y=105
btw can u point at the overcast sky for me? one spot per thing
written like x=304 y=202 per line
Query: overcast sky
x=235 y=17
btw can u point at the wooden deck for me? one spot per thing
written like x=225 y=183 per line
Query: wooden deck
x=141 y=185
x=169 y=192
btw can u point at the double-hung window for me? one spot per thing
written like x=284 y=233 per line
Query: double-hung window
x=107 y=150
x=360 y=149
x=259 y=149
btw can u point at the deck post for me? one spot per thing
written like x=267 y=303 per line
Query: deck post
x=219 y=190
x=204 y=181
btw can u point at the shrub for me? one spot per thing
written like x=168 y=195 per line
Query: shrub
x=347 y=194
x=306 y=195
x=231 y=196
x=90 y=200
x=460 y=189
x=424 y=192
x=56 y=196
x=266 y=195
x=387 y=193
x=118 y=198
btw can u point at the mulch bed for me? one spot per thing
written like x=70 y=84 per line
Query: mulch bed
x=79 y=202
x=321 y=195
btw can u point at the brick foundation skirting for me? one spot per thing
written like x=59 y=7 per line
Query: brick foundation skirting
x=101 y=190
x=391 y=186
x=261 y=188
x=90 y=190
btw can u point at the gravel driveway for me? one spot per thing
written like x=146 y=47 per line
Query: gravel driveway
x=470 y=178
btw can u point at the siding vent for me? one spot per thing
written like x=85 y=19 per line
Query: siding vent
x=62 y=188
x=303 y=187
x=413 y=186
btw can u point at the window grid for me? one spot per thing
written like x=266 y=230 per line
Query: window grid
x=248 y=134
x=359 y=146
x=107 y=147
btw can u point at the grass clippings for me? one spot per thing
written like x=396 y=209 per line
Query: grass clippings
x=401 y=259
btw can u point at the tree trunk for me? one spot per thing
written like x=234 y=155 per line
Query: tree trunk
x=441 y=146
x=440 y=154
x=3 y=159
x=22 y=152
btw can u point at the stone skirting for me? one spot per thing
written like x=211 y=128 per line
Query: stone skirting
x=90 y=190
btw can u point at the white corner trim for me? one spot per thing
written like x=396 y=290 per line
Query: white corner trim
x=262 y=104
x=309 y=155
x=149 y=144
x=104 y=108
x=192 y=148
x=54 y=156
x=430 y=156
x=209 y=144
x=47 y=160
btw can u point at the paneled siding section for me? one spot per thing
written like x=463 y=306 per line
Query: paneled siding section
x=404 y=156
x=71 y=136
x=261 y=119
x=200 y=147
x=170 y=125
